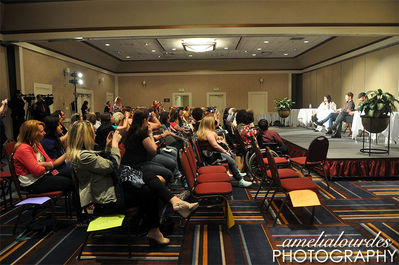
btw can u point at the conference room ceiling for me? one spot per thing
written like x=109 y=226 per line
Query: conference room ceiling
x=270 y=52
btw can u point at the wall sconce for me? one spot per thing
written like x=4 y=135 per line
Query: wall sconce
x=144 y=83
x=101 y=80
x=67 y=71
x=261 y=81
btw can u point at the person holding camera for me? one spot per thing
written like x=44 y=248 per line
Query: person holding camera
x=41 y=108
x=17 y=105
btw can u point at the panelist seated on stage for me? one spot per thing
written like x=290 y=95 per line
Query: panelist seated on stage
x=325 y=108
x=336 y=118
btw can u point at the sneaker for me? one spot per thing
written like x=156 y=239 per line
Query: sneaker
x=243 y=183
x=229 y=174
x=329 y=132
x=336 y=136
x=243 y=174
x=319 y=123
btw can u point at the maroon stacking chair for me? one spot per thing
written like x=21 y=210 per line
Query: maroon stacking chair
x=315 y=158
x=285 y=185
x=266 y=174
x=22 y=194
x=6 y=175
x=212 y=175
x=216 y=192
x=202 y=169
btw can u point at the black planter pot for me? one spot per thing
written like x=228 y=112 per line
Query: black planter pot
x=375 y=125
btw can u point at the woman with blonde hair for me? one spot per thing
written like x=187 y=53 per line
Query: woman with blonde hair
x=94 y=173
x=35 y=169
x=208 y=139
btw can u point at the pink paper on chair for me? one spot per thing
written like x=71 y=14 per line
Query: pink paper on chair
x=34 y=200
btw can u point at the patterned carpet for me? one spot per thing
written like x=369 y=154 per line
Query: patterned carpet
x=350 y=210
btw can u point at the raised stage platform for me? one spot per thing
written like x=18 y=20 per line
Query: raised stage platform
x=344 y=157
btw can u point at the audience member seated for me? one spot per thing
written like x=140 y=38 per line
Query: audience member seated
x=247 y=130
x=239 y=119
x=98 y=120
x=108 y=107
x=102 y=132
x=61 y=115
x=94 y=174
x=76 y=117
x=271 y=136
x=35 y=169
x=91 y=117
x=141 y=149
x=175 y=121
x=117 y=107
x=325 y=108
x=166 y=136
x=197 y=114
x=51 y=142
x=339 y=116
x=122 y=122
x=207 y=136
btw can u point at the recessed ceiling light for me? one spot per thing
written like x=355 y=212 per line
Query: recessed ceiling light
x=266 y=41
x=285 y=54
x=107 y=44
x=259 y=49
x=254 y=54
x=159 y=56
x=153 y=50
x=173 y=49
x=128 y=57
x=146 y=44
x=199 y=45
x=305 y=41
x=190 y=55
x=245 y=51
x=226 y=48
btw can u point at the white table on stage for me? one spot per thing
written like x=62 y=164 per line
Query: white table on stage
x=304 y=117
x=394 y=124
x=270 y=117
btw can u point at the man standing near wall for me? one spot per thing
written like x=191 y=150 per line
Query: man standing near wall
x=17 y=105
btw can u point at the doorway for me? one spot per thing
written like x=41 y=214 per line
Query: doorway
x=217 y=99
x=182 y=99
x=82 y=95
x=257 y=101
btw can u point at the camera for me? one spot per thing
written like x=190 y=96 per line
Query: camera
x=28 y=97
x=48 y=96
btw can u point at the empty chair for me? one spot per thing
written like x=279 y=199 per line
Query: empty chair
x=266 y=176
x=285 y=185
x=315 y=158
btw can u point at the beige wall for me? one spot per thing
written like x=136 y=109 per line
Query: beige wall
x=39 y=68
x=378 y=69
x=4 y=88
x=236 y=87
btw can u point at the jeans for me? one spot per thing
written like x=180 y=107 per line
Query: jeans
x=168 y=160
x=157 y=169
x=232 y=166
x=338 y=122
x=330 y=118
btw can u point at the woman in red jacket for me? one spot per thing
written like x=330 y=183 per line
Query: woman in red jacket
x=34 y=168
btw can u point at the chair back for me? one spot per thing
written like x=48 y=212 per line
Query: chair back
x=259 y=157
x=10 y=149
x=273 y=167
x=190 y=175
x=14 y=176
x=191 y=157
x=239 y=140
x=318 y=149
x=197 y=151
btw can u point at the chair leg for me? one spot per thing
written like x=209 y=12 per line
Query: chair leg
x=313 y=212
x=279 y=210
x=267 y=193
x=325 y=176
x=260 y=186
x=129 y=227
x=84 y=244
x=18 y=218
x=271 y=199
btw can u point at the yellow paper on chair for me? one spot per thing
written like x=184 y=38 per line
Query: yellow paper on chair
x=230 y=217
x=303 y=198
x=105 y=222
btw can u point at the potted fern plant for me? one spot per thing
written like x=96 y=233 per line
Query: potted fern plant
x=376 y=110
x=283 y=106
